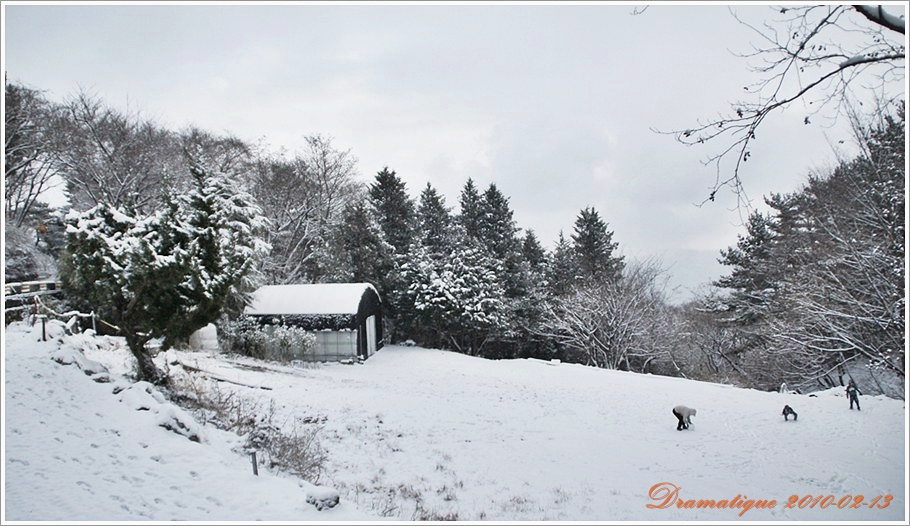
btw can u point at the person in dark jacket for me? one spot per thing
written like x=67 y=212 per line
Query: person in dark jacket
x=853 y=394
x=789 y=411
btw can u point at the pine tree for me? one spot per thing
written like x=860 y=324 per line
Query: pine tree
x=529 y=308
x=593 y=246
x=498 y=229
x=225 y=226
x=395 y=211
x=359 y=252
x=435 y=223
x=848 y=293
x=533 y=252
x=433 y=244
x=459 y=300
x=126 y=270
x=563 y=270
x=166 y=274
x=397 y=218
x=752 y=275
x=471 y=216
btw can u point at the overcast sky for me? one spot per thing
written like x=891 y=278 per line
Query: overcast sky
x=555 y=104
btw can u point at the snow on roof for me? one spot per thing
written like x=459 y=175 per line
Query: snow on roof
x=319 y=298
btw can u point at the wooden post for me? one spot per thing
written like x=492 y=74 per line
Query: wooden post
x=35 y=313
x=255 y=464
x=43 y=318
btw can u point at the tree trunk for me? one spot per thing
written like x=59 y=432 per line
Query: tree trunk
x=146 y=369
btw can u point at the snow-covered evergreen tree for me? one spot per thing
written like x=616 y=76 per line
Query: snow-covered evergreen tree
x=224 y=226
x=358 y=251
x=471 y=215
x=459 y=300
x=499 y=237
x=533 y=252
x=529 y=308
x=436 y=232
x=121 y=267
x=817 y=285
x=498 y=229
x=397 y=218
x=166 y=274
x=751 y=279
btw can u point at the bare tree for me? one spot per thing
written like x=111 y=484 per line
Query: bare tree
x=706 y=347
x=113 y=158
x=823 y=286
x=851 y=303
x=303 y=197
x=30 y=162
x=821 y=54
x=225 y=154
x=614 y=324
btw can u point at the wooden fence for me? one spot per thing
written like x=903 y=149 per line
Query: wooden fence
x=21 y=295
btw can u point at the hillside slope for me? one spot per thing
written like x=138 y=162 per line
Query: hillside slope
x=426 y=434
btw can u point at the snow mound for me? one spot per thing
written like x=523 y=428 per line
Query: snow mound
x=72 y=356
x=205 y=339
x=322 y=497
x=143 y=396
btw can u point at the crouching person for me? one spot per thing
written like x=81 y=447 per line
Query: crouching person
x=684 y=415
x=789 y=411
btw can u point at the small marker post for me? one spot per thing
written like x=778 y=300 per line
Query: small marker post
x=43 y=318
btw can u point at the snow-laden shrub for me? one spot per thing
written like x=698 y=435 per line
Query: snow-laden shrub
x=279 y=343
x=293 y=449
x=289 y=343
x=242 y=336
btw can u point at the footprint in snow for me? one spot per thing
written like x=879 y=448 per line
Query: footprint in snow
x=85 y=485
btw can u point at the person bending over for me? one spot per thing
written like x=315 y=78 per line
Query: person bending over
x=684 y=415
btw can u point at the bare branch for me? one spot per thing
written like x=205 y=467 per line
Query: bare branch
x=812 y=50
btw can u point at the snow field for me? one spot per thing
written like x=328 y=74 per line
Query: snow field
x=418 y=433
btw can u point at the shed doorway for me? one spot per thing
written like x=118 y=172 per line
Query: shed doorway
x=371 y=335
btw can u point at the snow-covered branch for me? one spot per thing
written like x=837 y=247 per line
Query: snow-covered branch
x=878 y=15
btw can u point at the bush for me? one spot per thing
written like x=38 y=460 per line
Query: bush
x=242 y=336
x=289 y=343
x=279 y=343
x=293 y=449
x=210 y=404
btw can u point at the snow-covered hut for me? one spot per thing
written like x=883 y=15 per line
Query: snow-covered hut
x=345 y=317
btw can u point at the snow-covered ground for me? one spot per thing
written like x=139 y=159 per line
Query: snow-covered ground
x=419 y=433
